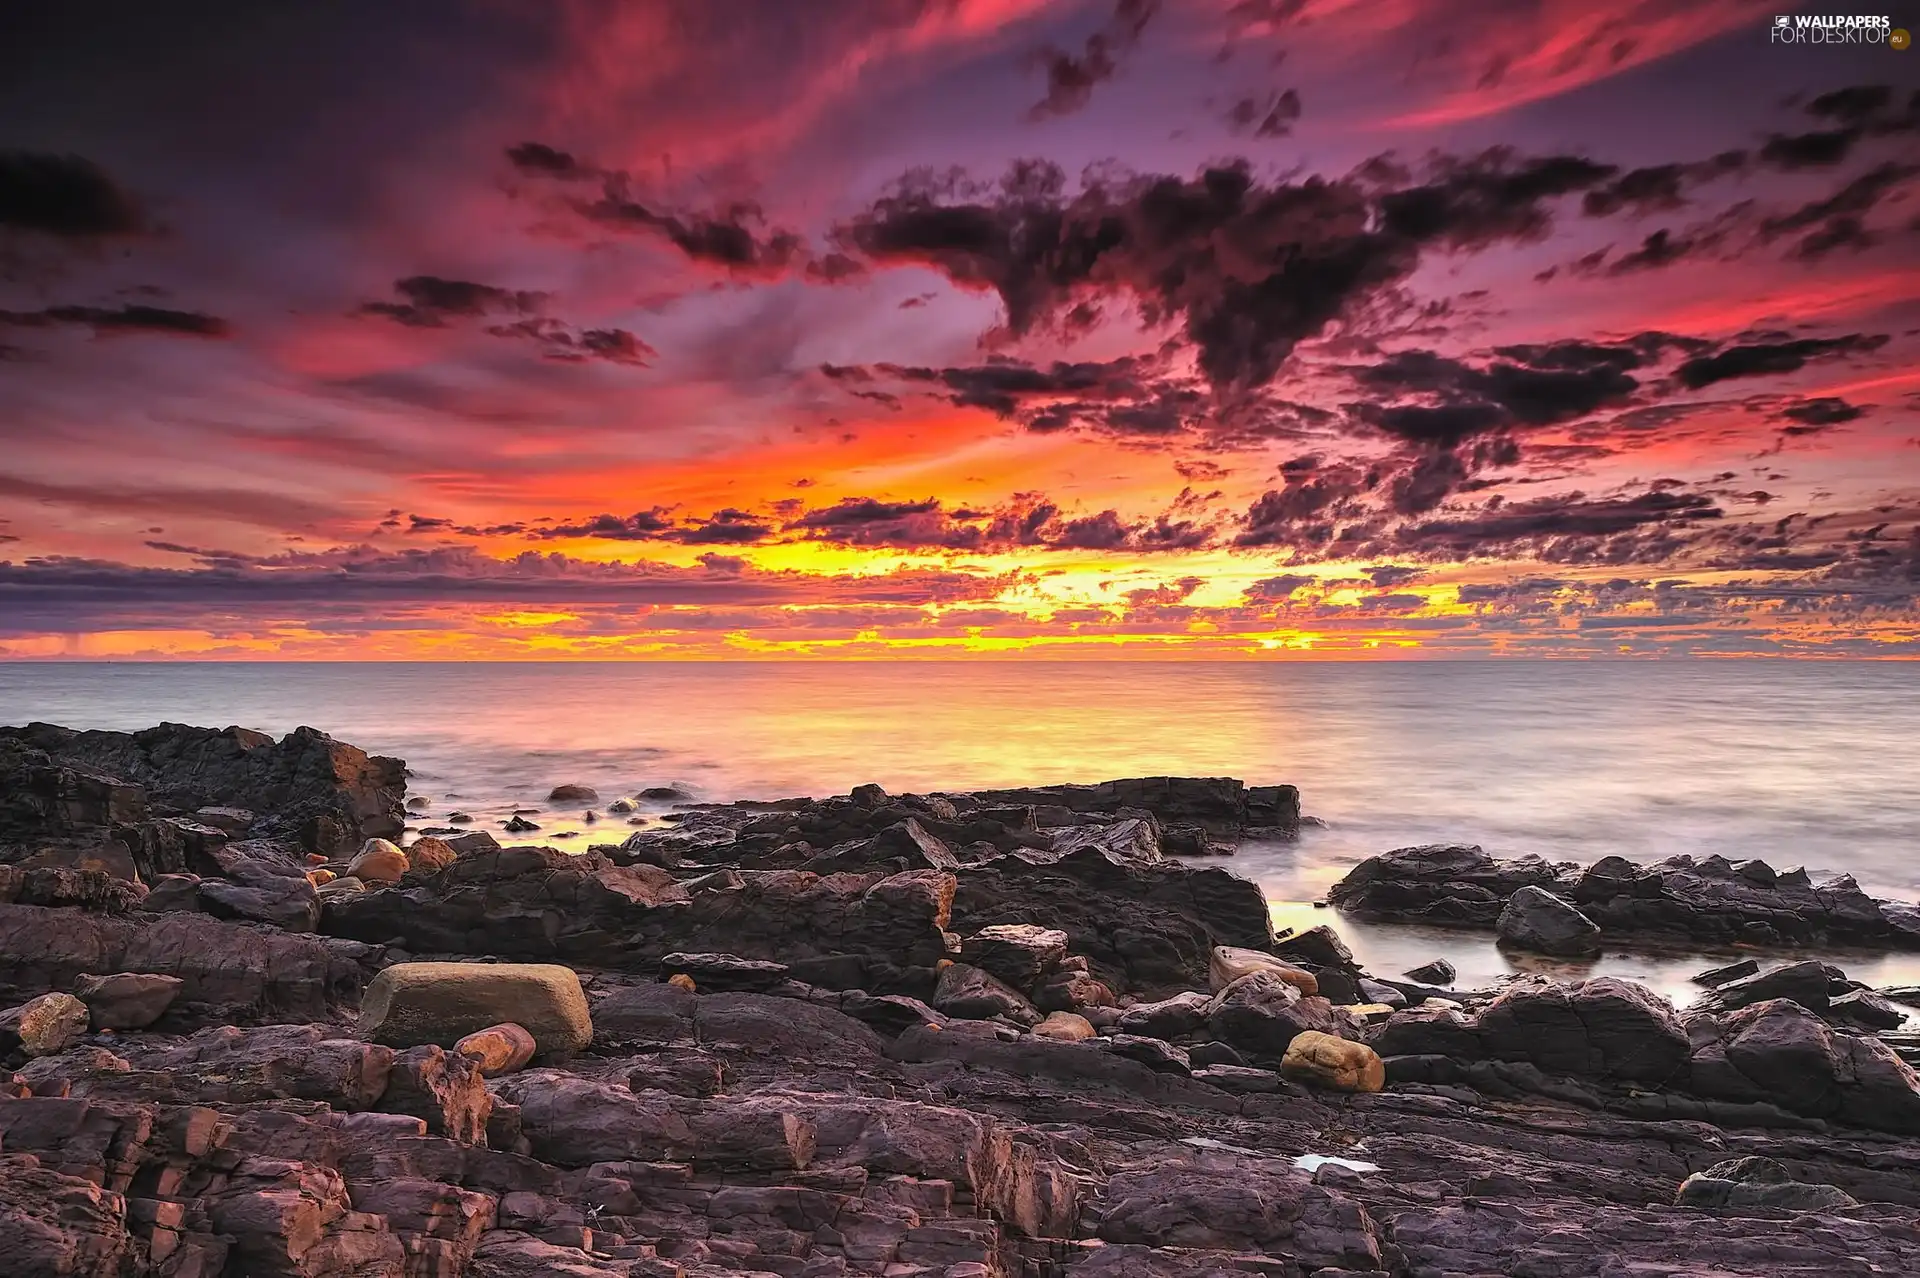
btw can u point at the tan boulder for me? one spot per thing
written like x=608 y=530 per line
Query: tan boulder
x=412 y=1004
x=44 y=1026
x=1066 y=1027
x=320 y=878
x=681 y=981
x=498 y=1049
x=428 y=854
x=379 y=861
x=1322 y=1060
x=1228 y=963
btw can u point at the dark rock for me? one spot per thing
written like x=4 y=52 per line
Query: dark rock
x=1154 y=1053
x=1779 y=1051
x=127 y=1000
x=517 y=824
x=1316 y=947
x=1536 y=920
x=1020 y=954
x=1259 y=1015
x=1602 y=1028
x=1743 y=1183
x=571 y=793
x=1806 y=983
x=713 y=973
x=1129 y=842
x=1731 y=972
x=967 y=991
x=1242 y=1209
x=1864 y=1007
x=664 y=794
x=443 y=1088
x=1168 y=1018
x=1438 y=972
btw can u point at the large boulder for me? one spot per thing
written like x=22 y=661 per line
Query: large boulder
x=43 y=1026
x=128 y=1000
x=1020 y=954
x=967 y=991
x=1228 y=963
x=1743 y=1183
x=1780 y=1052
x=1603 y=1028
x=412 y=1004
x=1538 y=921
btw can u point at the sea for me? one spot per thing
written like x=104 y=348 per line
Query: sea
x=1800 y=763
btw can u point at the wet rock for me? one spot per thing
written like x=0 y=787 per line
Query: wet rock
x=1020 y=954
x=517 y=824
x=42 y=1026
x=1129 y=842
x=498 y=1049
x=1806 y=983
x=1260 y=1015
x=1867 y=1009
x=1156 y=1054
x=666 y=794
x=127 y=1000
x=1065 y=1027
x=1601 y=1028
x=1322 y=1060
x=1316 y=947
x=964 y=990
x=1168 y=1018
x=412 y=1004
x=1782 y=1053
x=1757 y=1182
x=1538 y=921
x=1438 y=972
x=573 y=793
x=1228 y=963
x=1714 y=976
x=714 y=973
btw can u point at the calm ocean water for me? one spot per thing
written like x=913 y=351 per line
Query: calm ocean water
x=1809 y=764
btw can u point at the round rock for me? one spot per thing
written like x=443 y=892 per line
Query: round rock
x=412 y=1004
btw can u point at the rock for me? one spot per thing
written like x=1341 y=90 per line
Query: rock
x=967 y=991
x=1438 y=972
x=1602 y=1028
x=517 y=824
x=320 y=878
x=1321 y=1060
x=43 y=1026
x=1537 y=920
x=1228 y=963
x=1064 y=1027
x=1018 y=953
x=1259 y=1016
x=1241 y=1209
x=1318 y=946
x=280 y=895
x=59 y=1226
x=127 y=1000
x=1807 y=983
x=498 y=1049
x=1757 y=1182
x=1731 y=972
x=413 y=1004
x=681 y=981
x=379 y=861
x=429 y=855
x=1156 y=1054
x=1169 y=1018
x=622 y=807
x=1865 y=1008
x=717 y=972
x=459 y=818
x=445 y=1089
x=233 y=821
x=1129 y=842
x=1071 y=991
x=667 y=794
x=1779 y=1051
x=1428 y=1031
x=573 y=793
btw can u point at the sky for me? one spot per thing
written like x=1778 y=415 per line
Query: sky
x=1212 y=329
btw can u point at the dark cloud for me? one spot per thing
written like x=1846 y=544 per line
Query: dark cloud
x=1839 y=220
x=1811 y=416
x=1276 y=589
x=1270 y=117
x=1572 y=528
x=1658 y=188
x=539 y=158
x=1762 y=359
x=108 y=321
x=65 y=196
x=430 y=301
x=1071 y=77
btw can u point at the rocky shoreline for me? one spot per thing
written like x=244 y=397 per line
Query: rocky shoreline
x=246 y=1028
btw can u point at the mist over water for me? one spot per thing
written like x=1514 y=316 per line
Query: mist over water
x=1798 y=763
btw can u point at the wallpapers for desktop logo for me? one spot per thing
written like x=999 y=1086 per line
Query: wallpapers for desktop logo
x=1838 y=28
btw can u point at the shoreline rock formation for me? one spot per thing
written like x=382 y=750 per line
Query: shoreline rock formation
x=1000 y=1035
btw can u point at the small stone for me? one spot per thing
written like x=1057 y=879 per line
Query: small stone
x=1717 y=976
x=320 y=878
x=1065 y=1027
x=681 y=981
x=498 y=1049
x=379 y=861
x=517 y=824
x=43 y=1026
x=459 y=818
x=621 y=807
x=429 y=855
x=1322 y=1060
x=573 y=793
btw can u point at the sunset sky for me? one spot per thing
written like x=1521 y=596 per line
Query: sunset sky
x=758 y=328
